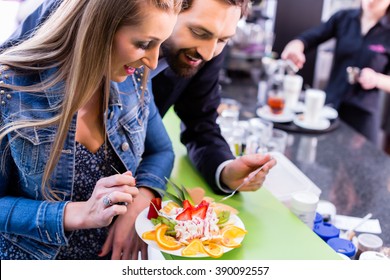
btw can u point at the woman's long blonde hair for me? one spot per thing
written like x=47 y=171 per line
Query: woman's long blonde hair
x=77 y=39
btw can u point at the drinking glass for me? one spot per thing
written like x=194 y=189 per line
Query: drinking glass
x=260 y=132
x=278 y=141
x=276 y=101
x=237 y=141
x=353 y=74
x=307 y=149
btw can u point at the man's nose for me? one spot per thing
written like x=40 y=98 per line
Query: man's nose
x=207 y=50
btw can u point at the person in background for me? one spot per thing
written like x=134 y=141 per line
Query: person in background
x=370 y=79
x=362 y=40
x=75 y=104
x=188 y=79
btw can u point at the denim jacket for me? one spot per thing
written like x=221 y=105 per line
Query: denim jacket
x=134 y=129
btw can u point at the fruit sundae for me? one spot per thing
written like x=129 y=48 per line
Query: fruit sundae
x=203 y=228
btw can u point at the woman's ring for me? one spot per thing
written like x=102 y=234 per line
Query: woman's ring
x=107 y=201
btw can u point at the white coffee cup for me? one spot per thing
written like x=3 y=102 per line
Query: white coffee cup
x=292 y=86
x=304 y=205
x=314 y=102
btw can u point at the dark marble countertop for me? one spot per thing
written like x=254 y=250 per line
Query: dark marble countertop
x=352 y=173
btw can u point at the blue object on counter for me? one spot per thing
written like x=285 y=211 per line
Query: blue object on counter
x=342 y=246
x=326 y=231
x=318 y=218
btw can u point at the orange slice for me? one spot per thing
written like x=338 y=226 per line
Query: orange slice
x=214 y=250
x=233 y=231
x=230 y=233
x=169 y=206
x=164 y=241
x=215 y=239
x=230 y=243
x=149 y=235
x=193 y=248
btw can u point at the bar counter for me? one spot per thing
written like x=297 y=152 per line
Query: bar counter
x=351 y=172
x=274 y=232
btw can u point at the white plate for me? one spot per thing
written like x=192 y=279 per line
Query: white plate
x=143 y=224
x=322 y=124
x=329 y=113
x=265 y=113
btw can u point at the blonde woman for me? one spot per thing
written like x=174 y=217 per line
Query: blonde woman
x=74 y=105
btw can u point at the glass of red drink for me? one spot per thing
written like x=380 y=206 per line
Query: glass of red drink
x=276 y=102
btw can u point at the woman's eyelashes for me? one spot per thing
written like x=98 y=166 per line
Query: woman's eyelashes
x=143 y=45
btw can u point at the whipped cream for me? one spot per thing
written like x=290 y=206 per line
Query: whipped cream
x=204 y=229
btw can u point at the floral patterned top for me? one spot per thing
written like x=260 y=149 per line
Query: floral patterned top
x=90 y=167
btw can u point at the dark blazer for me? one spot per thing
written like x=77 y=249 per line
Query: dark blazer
x=195 y=101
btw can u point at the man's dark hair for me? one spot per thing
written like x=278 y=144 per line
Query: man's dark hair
x=244 y=4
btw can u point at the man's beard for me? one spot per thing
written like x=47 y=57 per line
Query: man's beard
x=179 y=67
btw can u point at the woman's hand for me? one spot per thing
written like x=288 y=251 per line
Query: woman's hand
x=368 y=78
x=123 y=241
x=94 y=213
x=294 y=52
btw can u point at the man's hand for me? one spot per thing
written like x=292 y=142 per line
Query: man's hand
x=236 y=171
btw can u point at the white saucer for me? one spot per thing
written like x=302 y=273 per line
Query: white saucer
x=322 y=124
x=299 y=107
x=329 y=113
x=265 y=113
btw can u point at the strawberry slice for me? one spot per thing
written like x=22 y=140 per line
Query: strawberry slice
x=200 y=211
x=203 y=202
x=153 y=214
x=187 y=204
x=186 y=215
